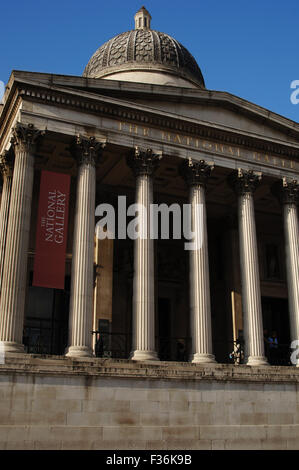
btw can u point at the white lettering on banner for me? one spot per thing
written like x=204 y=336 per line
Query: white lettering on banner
x=53 y=221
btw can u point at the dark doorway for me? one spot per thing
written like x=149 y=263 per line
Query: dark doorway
x=276 y=319
x=46 y=320
x=164 y=329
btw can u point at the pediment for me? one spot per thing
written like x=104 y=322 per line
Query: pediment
x=179 y=108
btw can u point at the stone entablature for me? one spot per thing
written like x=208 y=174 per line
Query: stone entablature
x=143 y=121
x=136 y=114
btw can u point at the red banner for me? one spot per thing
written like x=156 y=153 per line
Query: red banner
x=51 y=232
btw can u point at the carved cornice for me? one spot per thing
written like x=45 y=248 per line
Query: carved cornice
x=195 y=172
x=147 y=118
x=24 y=138
x=87 y=151
x=7 y=163
x=143 y=161
x=244 y=181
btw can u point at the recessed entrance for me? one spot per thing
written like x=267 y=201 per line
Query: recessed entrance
x=46 y=320
x=276 y=319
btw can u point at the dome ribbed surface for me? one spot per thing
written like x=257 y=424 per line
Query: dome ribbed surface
x=146 y=50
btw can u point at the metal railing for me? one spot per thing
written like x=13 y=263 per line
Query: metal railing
x=37 y=340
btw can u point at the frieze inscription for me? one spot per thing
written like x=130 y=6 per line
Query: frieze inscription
x=208 y=146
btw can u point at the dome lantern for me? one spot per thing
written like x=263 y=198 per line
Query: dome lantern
x=142 y=19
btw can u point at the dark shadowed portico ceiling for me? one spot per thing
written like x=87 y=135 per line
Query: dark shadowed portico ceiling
x=152 y=56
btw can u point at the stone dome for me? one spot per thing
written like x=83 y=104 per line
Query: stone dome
x=146 y=56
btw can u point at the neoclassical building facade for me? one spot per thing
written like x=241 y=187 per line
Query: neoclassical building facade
x=141 y=123
x=234 y=153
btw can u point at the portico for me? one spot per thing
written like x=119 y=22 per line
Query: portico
x=96 y=123
x=141 y=124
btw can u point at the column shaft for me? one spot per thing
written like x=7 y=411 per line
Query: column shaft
x=12 y=301
x=292 y=262
x=143 y=164
x=143 y=347
x=81 y=302
x=290 y=192
x=200 y=304
x=4 y=212
x=196 y=175
x=251 y=293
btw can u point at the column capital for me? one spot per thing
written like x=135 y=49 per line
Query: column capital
x=143 y=161
x=290 y=191
x=7 y=163
x=286 y=190
x=87 y=150
x=195 y=172
x=244 y=181
x=24 y=137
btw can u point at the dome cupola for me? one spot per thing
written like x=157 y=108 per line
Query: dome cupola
x=146 y=56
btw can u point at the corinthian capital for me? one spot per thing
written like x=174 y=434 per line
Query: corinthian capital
x=25 y=137
x=196 y=172
x=6 y=163
x=143 y=161
x=244 y=181
x=290 y=191
x=87 y=150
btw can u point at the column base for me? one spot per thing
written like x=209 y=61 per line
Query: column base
x=11 y=347
x=144 y=356
x=257 y=361
x=78 y=351
x=198 y=358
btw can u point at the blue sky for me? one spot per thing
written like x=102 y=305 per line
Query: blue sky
x=248 y=48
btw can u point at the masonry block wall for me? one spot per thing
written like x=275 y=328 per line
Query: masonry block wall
x=104 y=404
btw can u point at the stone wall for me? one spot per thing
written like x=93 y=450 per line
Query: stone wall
x=62 y=403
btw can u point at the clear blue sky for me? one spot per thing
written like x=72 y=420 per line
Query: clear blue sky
x=249 y=48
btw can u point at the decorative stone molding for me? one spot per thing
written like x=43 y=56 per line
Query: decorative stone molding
x=196 y=173
x=143 y=162
x=24 y=138
x=244 y=181
x=87 y=150
x=73 y=101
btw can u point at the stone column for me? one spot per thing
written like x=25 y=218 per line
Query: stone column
x=290 y=198
x=13 y=291
x=196 y=175
x=82 y=280
x=143 y=164
x=6 y=167
x=245 y=183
